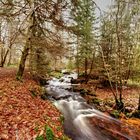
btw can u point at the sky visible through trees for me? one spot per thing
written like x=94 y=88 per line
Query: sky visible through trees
x=103 y=4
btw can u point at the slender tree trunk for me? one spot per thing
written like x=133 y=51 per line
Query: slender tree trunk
x=10 y=57
x=77 y=64
x=77 y=57
x=91 y=67
x=109 y=78
x=120 y=105
x=4 y=58
x=55 y=62
x=120 y=89
x=2 y=55
x=86 y=67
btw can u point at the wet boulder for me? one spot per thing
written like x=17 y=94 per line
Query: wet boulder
x=77 y=81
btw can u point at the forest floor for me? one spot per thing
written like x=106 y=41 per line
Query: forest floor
x=23 y=114
x=130 y=96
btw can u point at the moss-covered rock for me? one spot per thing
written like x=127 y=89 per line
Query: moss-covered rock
x=96 y=101
x=115 y=114
x=92 y=93
x=109 y=102
x=83 y=92
x=44 y=93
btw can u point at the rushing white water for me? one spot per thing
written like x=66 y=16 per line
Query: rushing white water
x=77 y=112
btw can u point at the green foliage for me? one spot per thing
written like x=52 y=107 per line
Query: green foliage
x=81 y=74
x=109 y=102
x=40 y=137
x=59 y=128
x=64 y=137
x=56 y=74
x=115 y=113
x=70 y=65
x=128 y=115
x=44 y=93
x=12 y=65
x=49 y=133
x=134 y=82
x=83 y=92
x=96 y=101
x=84 y=17
x=36 y=128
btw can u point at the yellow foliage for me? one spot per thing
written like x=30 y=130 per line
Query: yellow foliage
x=133 y=122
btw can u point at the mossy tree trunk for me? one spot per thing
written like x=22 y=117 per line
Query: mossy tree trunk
x=22 y=62
x=25 y=53
x=28 y=44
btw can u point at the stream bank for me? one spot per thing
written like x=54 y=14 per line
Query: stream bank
x=84 y=121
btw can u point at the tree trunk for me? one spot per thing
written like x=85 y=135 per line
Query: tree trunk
x=4 y=58
x=28 y=43
x=9 y=60
x=86 y=67
x=91 y=67
x=77 y=57
x=2 y=55
x=77 y=64
x=139 y=103
x=22 y=62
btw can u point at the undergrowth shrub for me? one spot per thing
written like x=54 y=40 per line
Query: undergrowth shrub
x=49 y=133
x=40 y=137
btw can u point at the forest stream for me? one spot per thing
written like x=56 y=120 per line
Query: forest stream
x=82 y=121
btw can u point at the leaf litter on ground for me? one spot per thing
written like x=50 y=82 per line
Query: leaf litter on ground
x=23 y=116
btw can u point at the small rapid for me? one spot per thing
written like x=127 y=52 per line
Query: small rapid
x=83 y=121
